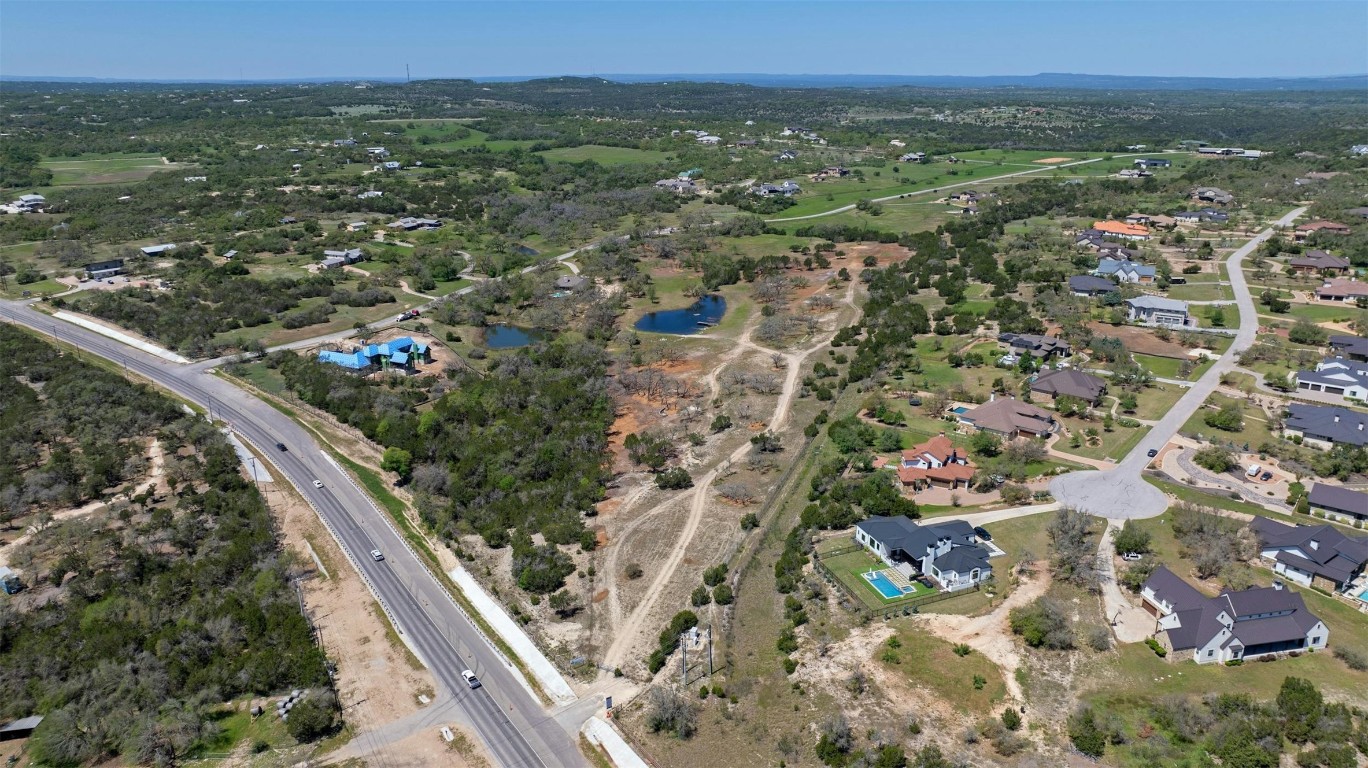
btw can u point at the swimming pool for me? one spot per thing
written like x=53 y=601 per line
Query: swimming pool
x=879 y=581
x=959 y=409
x=1363 y=595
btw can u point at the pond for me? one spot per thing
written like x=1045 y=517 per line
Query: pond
x=510 y=336
x=699 y=316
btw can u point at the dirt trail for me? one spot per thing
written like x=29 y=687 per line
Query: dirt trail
x=626 y=632
x=403 y=284
x=158 y=459
x=989 y=633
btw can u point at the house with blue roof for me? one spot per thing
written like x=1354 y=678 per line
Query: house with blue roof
x=399 y=353
x=1125 y=271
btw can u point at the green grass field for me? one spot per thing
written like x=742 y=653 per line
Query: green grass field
x=48 y=287
x=821 y=196
x=1253 y=431
x=927 y=661
x=1156 y=400
x=1167 y=367
x=605 y=155
x=113 y=168
x=1202 y=291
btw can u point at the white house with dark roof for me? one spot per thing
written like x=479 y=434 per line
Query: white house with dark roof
x=947 y=552
x=1336 y=376
x=1351 y=347
x=1157 y=310
x=1315 y=555
x=1249 y=624
x=1125 y=270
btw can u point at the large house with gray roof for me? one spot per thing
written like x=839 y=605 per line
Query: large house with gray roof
x=1157 y=310
x=1322 y=426
x=1056 y=384
x=1010 y=418
x=1332 y=500
x=1336 y=376
x=1090 y=285
x=1315 y=555
x=1350 y=347
x=1232 y=626
x=948 y=552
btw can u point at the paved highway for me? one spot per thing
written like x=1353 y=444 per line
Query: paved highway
x=509 y=720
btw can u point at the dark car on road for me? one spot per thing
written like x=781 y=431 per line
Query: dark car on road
x=1152 y=453
x=281 y=447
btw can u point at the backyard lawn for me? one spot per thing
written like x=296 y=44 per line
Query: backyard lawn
x=849 y=568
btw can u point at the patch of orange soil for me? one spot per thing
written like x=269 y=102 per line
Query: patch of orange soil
x=1053 y=160
x=1141 y=340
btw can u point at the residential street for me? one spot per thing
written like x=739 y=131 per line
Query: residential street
x=1120 y=493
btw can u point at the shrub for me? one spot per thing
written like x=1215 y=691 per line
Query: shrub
x=1351 y=658
x=1158 y=649
x=670 y=712
x=1043 y=624
x=722 y=594
x=1011 y=720
x=674 y=479
x=632 y=571
x=979 y=682
x=1099 y=638
x=1084 y=733
x=312 y=717
x=962 y=650
x=700 y=596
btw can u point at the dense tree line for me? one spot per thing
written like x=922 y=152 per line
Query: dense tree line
x=511 y=453
x=164 y=612
x=65 y=428
x=208 y=301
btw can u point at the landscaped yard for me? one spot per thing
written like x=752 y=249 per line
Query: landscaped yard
x=849 y=569
x=1113 y=445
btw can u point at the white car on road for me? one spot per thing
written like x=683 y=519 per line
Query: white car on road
x=318 y=483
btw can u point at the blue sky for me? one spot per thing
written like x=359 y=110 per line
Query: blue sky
x=212 y=39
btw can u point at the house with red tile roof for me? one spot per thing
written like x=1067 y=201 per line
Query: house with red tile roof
x=1122 y=230
x=936 y=462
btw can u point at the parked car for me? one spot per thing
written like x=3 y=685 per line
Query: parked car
x=376 y=555
x=318 y=483
x=470 y=678
x=1132 y=556
x=1152 y=452
x=1266 y=476
x=983 y=533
